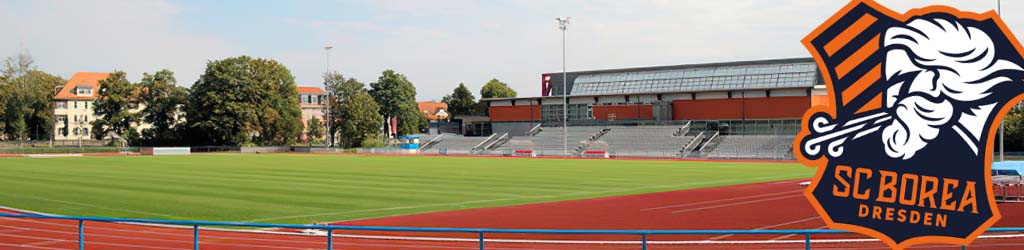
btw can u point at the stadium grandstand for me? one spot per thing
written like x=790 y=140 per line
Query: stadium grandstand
x=729 y=110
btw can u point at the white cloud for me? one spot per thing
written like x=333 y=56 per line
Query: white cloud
x=436 y=44
x=133 y=36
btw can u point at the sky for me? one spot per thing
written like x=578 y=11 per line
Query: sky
x=437 y=44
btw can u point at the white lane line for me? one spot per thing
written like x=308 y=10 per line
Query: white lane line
x=791 y=235
x=771 y=226
x=89 y=242
x=411 y=238
x=736 y=204
x=720 y=200
x=45 y=242
x=381 y=209
x=22 y=246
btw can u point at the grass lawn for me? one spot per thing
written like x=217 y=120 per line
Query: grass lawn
x=295 y=188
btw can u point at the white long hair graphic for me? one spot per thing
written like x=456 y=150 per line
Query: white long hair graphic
x=932 y=63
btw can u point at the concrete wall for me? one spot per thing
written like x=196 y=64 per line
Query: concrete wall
x=512 y=128
x=167 y=151
x=282 y=149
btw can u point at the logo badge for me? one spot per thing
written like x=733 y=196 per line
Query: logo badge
x=904 y=146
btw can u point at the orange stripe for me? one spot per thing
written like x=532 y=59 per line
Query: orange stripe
x=861 y=84
x=875 y=103
x=858 y=57
x=852 y=31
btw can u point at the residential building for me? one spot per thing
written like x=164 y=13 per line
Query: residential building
x=434 y=110
x=73 y=107
x=313 y=102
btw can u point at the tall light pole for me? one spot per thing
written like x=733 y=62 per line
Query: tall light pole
x=1002 y=127
x=327 y=53
x=562 y=25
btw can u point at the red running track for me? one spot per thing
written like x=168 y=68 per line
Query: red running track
x=775 y=205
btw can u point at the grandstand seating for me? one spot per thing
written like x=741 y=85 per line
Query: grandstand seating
x=661 y=141
x=549 y=140
x=642 y=141
x=752 y=147
x=452 y=143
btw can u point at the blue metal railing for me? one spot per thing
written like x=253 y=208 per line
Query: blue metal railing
x=480 y=232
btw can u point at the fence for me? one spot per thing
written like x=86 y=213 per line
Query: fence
x=481 y=233
x=66 y=150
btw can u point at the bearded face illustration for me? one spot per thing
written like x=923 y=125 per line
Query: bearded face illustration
x=915 y=100
x=933 y=63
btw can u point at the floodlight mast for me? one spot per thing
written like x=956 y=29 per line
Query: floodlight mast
x=1002 y=126
x=562 y=25
x=330 y=95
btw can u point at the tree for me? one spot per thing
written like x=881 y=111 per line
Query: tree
x=360 y=119
x=315 y=129
x=1014 y=125
x=25 y=95
x=163 y=100
x=460 y=101
x=114 y=103
x=496 y=89
x=241 y=100
x=397 y=98
x=3 y=107
x=339 y=89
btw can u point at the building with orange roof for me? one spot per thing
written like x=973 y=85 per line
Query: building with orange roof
x=434 y=110
x=313 y=102
x=72 y=106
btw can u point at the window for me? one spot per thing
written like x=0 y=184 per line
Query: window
x=61 y=104
x=76 y=104
x=76 y=131
x=85 y=131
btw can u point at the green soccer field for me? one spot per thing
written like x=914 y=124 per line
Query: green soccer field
x=294 y=188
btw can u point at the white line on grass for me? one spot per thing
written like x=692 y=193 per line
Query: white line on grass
x=692 y=184
x=90 y=205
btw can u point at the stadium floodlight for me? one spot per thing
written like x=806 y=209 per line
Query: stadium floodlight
x=1002 y=127
x=327 y=53
x=562 y=25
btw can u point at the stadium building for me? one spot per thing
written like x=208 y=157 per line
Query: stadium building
x=691 y=110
